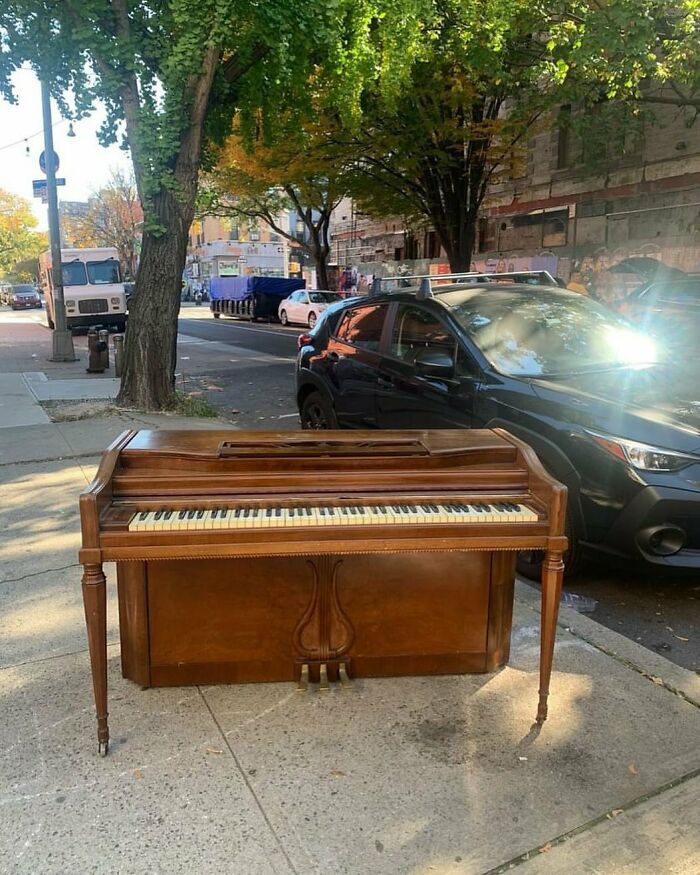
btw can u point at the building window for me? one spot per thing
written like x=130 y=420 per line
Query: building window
x=554 y=231
x=487 y=235
x=564 y=143
x=432 y=245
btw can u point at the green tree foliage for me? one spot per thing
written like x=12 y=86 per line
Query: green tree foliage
x=19 y=242
x=488 y=74
x=172 y=74
x=259 y=181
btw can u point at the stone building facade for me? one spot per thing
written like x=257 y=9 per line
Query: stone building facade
x=562 y=215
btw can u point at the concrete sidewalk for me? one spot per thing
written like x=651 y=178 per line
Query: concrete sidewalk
x=441 y=775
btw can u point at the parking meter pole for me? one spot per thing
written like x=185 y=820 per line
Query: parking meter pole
x=62 y=338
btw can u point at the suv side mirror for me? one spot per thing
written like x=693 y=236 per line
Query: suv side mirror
x=433 y=363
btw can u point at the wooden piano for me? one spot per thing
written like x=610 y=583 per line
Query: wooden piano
x=275 y=556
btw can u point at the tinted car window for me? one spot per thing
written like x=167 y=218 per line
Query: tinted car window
x=532 y=334
x=23 y=288
x=324 y=297
x=362 y=326
x=680 y=292
x=415 y=330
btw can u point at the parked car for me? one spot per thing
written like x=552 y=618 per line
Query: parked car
x=304 y=307
x=669 y=309
x=24 y=297
x=619 y=426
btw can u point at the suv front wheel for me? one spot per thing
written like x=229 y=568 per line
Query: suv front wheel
x=529 y=562
x=317 y=413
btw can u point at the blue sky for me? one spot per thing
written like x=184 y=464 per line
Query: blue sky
x=84 y=163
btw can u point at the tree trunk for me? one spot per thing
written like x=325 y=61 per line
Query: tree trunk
x=150 y=348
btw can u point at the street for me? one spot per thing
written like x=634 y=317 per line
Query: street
x=246 y=371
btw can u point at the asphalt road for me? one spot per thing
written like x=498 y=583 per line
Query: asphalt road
x=269 y=339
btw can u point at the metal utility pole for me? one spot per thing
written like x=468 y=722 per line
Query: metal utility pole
x=62 y=338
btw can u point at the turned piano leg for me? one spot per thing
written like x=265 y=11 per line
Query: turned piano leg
x=95 y=602
x=552 y=575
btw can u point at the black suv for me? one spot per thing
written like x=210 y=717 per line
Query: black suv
x=606 y=415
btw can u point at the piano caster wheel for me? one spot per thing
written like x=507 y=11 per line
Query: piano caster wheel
x=323 y=685
x=103 y=748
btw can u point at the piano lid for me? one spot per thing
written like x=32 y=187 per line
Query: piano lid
x=216 y=444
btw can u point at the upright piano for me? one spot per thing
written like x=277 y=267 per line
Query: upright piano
x=315 y=558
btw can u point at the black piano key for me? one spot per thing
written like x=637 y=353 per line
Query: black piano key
x=278 y=511
x=159 y=514
x=246 y=511
x=215 y=514
x=182 y=515
x=223 y=513
x=191 y=514
x=143 y=514
x=168 y=514
x=268 y=512
x=200 y=514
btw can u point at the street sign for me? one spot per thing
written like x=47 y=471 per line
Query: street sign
x=42 y=162
x=39 y=187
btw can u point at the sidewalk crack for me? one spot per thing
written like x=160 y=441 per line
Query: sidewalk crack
x=37 y=573
x=533 y=853
x=249 y=786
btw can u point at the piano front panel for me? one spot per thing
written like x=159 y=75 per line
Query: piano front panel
x=249 y=620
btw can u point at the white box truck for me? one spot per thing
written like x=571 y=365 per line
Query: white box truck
x=92 y=288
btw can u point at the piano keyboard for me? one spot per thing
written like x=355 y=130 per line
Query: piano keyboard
x=169 y=520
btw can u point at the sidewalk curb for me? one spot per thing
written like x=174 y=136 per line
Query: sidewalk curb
x=656 y=668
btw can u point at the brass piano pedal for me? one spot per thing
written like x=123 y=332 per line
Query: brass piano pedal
x=345 y=680
x=303 y=682
x=323 y=685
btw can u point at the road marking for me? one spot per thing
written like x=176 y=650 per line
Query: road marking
x=286 y=415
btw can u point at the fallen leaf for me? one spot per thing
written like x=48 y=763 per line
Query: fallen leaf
x=669 y=628
x=214 y=388
x=545 y=848
x=138 y=773
x=214 y=750
x=631 y=769
x=523 y=759
x=616 y=811
x=679 y=637
x=195 y=392
x=337 y=773
x=658 y=681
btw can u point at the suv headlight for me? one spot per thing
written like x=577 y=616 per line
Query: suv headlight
x=115 y=301
x=70 y=305
x=643 y=456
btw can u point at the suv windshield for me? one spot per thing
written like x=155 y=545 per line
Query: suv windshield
x=73 y=273
x=103 y=272
x=323 y=297
x=23 y=290
x=528 y=334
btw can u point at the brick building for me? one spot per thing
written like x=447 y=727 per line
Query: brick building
x=561 y=215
